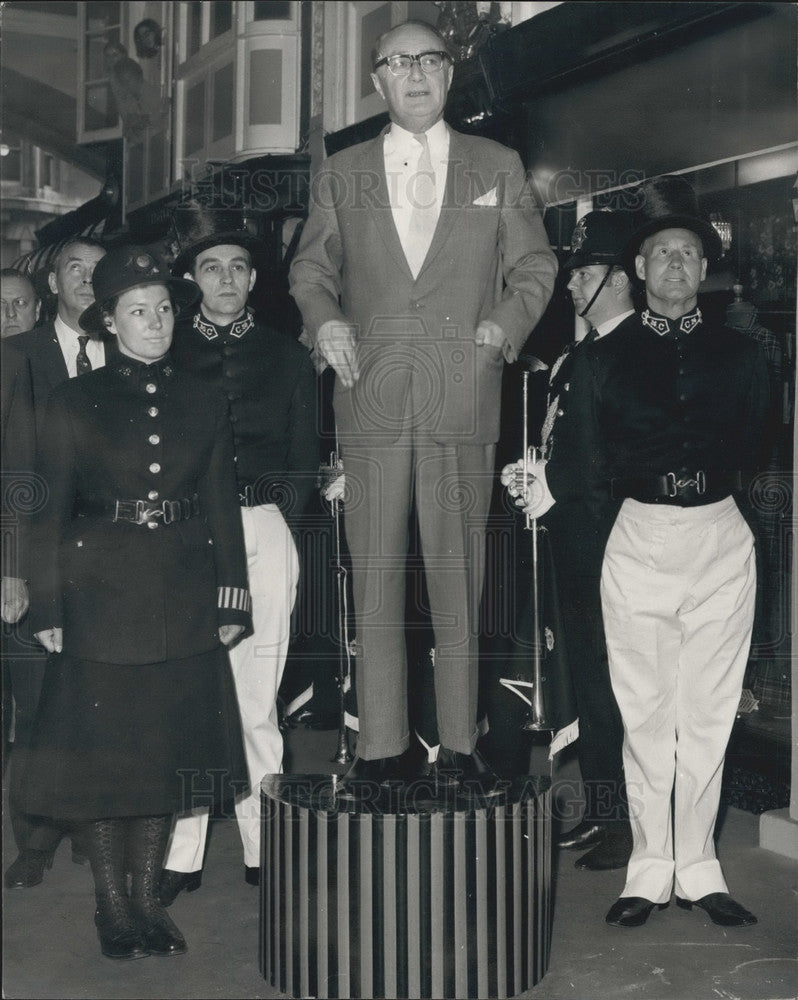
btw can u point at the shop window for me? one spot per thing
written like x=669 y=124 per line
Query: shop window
x=271 y=10
x=223 y=102
x=221 y=18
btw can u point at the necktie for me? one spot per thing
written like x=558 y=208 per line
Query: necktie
x=83 y=364
x=591 y=335
x=424 y=215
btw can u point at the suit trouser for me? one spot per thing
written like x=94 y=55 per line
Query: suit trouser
x=678 y=590
x=452 y=487
x=257 y=665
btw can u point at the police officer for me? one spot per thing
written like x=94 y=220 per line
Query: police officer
x=578 y=528
x=137 y=581
x=270 y=384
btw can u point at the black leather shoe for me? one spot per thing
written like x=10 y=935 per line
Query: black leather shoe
x=722 y=909
x=612 y=852
x=381 y=771
x=584 y=834
x=252 y=875
x=631 y=911
x=28 y=869
x=306 y=718
x=467 y=772
x=173 y=883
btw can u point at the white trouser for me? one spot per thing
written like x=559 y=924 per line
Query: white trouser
x=257 y=664
x=677 y=591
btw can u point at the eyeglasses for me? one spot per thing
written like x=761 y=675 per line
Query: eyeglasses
x=402 y=64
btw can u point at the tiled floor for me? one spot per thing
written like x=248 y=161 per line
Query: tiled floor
x=51 y=951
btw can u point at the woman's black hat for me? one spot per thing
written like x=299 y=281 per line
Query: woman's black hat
x=129 y=267
x=199 y=228
x=669 y=202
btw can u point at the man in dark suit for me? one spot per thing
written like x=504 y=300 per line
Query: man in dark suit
x=578 y=530
x=672 y=415
x=423 y=266
x=35 y=362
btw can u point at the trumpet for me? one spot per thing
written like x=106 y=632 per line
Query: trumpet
x=343 y=755
x=536 y=721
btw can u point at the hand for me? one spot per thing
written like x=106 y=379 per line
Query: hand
x=533 y=495
x=332 y=481
x=490 y=334
x=14 y=600
x=229 y=633
x=52 y=639
x=336 y=341
x=512 y=478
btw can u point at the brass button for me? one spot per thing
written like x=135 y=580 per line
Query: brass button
x=155 y=467
x=151 y=387
x=153 y=411
x=152 y=524
x=152 y=495
x=154 y=439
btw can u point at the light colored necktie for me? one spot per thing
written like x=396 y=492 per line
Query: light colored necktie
x=82 y=363
x=424 y=217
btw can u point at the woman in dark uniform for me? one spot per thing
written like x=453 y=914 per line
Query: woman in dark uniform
x=138 y=582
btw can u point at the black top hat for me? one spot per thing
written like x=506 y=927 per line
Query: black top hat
x=199 y=228
x=669 y=202
x=599 y=238
x=129 y=267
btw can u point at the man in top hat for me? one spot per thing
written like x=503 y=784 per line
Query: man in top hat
x=672 y=415
x=270 y=383
x=34 y=363
x=578 y=528
x=423 y=266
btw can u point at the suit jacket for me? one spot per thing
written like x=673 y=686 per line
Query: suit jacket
x=33 y=366
x=124 y=592
x=45 y=367
x=489 y=260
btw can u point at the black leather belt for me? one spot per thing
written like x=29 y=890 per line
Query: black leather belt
x=685 y=489
x=142 y=511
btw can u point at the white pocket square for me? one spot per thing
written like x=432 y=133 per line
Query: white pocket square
x=488 y=199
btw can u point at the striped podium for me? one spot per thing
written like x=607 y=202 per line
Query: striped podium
x=411 y=895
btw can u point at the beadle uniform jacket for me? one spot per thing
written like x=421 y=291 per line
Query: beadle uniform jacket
x=124 y=592
x=489 y=259
x=643 y=404
x=271 y=387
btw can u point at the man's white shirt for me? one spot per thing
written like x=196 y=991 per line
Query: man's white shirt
x=68 y=342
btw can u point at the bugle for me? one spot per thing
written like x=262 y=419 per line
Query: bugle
x=536 y=721
x=343 y=755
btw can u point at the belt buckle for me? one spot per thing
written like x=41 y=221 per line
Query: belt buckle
x=168 y=510
x=675 y=485
x=145 y=513
x=247 y=498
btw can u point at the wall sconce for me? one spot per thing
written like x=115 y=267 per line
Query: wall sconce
x=723 y=229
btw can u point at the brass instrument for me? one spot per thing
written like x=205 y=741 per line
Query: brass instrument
x=343 y=755
x=536 y=722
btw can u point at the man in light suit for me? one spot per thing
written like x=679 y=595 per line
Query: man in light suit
x=34 y=363
x=423 y=266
